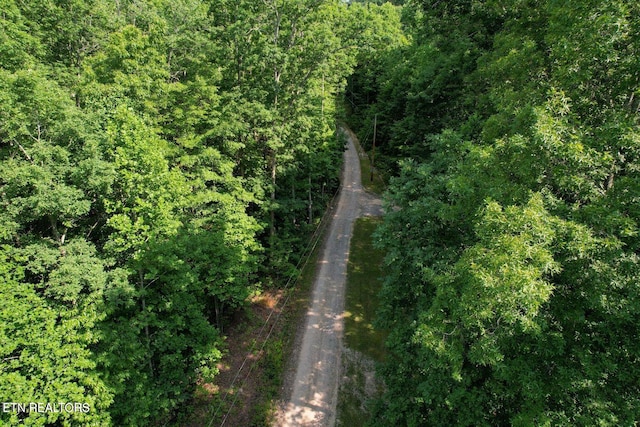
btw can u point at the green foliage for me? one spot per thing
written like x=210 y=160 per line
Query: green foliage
x=17 y=46
x=48 y=328
x=147 y=195
x=510 y=233
x=159 y=163
x=363 y=273
x=378 y=29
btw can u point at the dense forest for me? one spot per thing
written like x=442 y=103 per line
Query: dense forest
x=512 y=234
x=160 y=162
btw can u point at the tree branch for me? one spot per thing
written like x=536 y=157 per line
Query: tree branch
x=23 y=151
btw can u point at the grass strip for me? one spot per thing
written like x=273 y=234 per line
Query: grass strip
x=364 y=345
x=363 y=285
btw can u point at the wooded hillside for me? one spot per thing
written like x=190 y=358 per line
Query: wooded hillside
x=160 y=161
x=512 y=237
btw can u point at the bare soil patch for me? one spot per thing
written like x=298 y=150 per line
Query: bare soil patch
x=236 y=390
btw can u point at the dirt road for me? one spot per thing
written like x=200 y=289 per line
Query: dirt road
x=315 y=387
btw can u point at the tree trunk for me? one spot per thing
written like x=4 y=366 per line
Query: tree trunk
x=310 y=203
x=272 y=219
x=217 y=306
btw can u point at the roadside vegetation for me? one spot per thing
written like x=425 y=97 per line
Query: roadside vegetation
x=373 y=178
x=364 y=343
x=260 y=348
x=511 y=290
x=364 y=281
x=162 y=165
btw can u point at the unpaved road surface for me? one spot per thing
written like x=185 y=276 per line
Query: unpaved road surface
x=315 y=387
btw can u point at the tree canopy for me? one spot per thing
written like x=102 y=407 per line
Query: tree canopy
x=512 y=231
x=160 y=162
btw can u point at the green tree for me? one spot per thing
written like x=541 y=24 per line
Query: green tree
x=52 y=277
x=511 y=239
x=288 y=63
x=51 y=304
x=150 y=153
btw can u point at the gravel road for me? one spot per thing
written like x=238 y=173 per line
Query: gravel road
x=315 y=387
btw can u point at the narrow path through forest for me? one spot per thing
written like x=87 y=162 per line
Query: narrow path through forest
x=315 y=387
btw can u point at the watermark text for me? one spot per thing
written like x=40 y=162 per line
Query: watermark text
x=43 y=408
